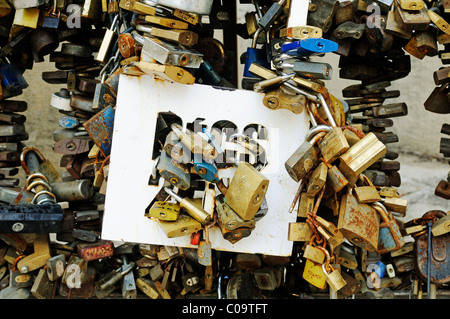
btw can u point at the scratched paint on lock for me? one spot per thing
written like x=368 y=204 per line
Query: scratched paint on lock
x=139 y=100
x=100 y=129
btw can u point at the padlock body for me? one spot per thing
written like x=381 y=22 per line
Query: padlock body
x=359 y=223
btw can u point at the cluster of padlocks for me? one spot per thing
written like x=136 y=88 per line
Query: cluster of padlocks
x=346 y=240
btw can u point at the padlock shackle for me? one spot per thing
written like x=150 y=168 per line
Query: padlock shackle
x=313 y=132
x=255 y=38
x=381 y=209
x=30 y=158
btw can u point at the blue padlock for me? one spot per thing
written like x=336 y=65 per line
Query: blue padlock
x=380 y=269
x=12 y=78
x=389 y=237
x=310 y=46
x=207 y=171
x=254 y=55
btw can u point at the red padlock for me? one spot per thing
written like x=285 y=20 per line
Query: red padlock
x=195 y=238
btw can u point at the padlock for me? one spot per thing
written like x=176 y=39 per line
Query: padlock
x=194 y=142
x=267 y=278
x=411 y=19
x=177 y=174
x=26 y=17
x=421 y=44
x=315 y=70
x=321 y=14
x=358 y=222
x=314 y=274
x=166 y=22
x=347 y=257
x=97 y=250
x=317 y=179
x=311 y=46
x=299 y=231
x=163 y=210
x=191 y=282
x=180 y=36
x=128 y=283
x=313 y=253
x=199 y=7
x=441 y=226
x=255 y=55
x=333 y=145
x=438 y=101
x=147 y=287
x=55 y=267
x=329 y=231
x=335 y=179
x=11 y=77
x=332 y=273
x=390 y=237
x=42 y=287
x=304 y=158
x=168 y=53
x=247 y=190
x=350 y=29
x=367 y=194
x=305 y=205
x=439 y=21
x=229 y=218
x=184 y=225
x=360 y=156
x=20 y=280
x=197 y=212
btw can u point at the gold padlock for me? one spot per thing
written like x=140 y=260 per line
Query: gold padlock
x=184 y=225
x=247 y=190
x=313 y=253
x=317 y=179
x=360 y=156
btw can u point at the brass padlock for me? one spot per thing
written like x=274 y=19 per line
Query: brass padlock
x=228 y=218
x=332 y=273
x=360 y=156
x=184 y=225
x=314 y=274
x=314 y=253
x=317 y=179
x=247 y=190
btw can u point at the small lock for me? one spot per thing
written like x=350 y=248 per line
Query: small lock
x=176 y=174
x=304 y=158
x=191 y=282
x=164 y=211
x=390 y=237
x=247 y=190
x=255 y=55
x=360 y=156
x=184 y=225
x=227 y=217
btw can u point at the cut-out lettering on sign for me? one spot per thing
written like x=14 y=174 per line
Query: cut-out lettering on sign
x=144 y=108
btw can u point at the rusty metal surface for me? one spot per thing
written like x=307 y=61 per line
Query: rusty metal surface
x=98 y=250
x=440 y=267
x=100 y=129
x=359 y=223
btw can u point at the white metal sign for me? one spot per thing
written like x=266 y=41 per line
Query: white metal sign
x=140 y=99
